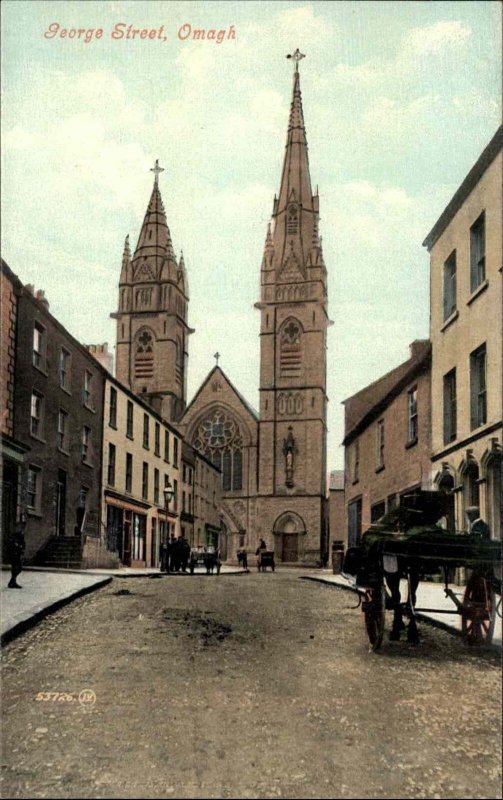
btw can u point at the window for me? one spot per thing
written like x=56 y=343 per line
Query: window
x=88 y=380
x=33 y=488
x=175 y=495
x=356 y=461
x=157 y=439
x=175 y=452
x=129 y=472
x=377 y=510
x=144 y=481
x=478 y=393
x=111 y=465
x=146 y=434
x=183 y=501
x=86 y=443
x=64 y=369
x=219 y=438
x=184 y=473
x=380 y=445
x=112 y=418
x=62 y=430
x=38 y=346
x=144 y=353
x=129 y=420
x=477 y=252
x=412 y=426
x=354 y=523
x=450 y=285
x=156 y=486
x=37 y=411
x=450 y=411
x=290 y=349
x=166 y=445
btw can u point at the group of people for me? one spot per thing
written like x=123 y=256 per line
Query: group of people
x=175 y=554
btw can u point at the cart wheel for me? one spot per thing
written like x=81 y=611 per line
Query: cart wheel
x=373 y=608
x=477 y=613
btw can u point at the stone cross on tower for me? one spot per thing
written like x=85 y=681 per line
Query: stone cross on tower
x=216 y=357
x=297 y=56
x=157 y=169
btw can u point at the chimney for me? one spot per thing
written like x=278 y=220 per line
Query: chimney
x=40 y=296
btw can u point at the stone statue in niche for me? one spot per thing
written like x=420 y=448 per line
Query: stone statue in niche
x=289 y=452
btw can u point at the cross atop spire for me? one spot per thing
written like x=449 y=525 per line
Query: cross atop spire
x=216 y=357
x=297 y=56
x=157 y=169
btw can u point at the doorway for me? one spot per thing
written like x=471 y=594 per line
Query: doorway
x=290 y=547
x=61 y=503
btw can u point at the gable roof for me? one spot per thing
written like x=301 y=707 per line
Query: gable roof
x=483 y=162
x=336 y=480
x=361 y=408
x=216 y=369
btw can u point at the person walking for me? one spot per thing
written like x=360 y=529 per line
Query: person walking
x=184 y=552
x=16 y=555
x=171 y=560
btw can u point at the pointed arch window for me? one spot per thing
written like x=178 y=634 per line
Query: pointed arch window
x=290 y=351
x=219 y=438
x=144 y=355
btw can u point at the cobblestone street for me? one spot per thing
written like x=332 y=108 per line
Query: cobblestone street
x=256 y=685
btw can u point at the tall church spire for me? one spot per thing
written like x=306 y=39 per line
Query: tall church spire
x=295 y=208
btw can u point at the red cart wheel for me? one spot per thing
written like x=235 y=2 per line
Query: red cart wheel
x=374 y=611
x=477 y=613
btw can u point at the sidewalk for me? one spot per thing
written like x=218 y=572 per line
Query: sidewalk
x=429 y=595
x=45 y=590
x=42 y=592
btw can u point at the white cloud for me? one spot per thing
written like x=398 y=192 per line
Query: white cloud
x=438 y=38
x=304 y=23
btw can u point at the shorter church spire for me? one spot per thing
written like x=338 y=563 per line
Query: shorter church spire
x=154 y=243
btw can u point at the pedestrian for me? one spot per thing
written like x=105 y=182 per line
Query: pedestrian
x=177 y=554
x=171 y=561
x=16 y=554
x=184 y=552
x=164 y=557
x=258 y=552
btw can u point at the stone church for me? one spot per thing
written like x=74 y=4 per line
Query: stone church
x=273 y=463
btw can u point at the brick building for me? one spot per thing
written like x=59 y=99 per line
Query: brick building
x=12 y=451
x=466 y=333
x=142 y=455
x=58 y=416
x=387 y=441
x=209 y=528
x=336 y=506
x=187 y=492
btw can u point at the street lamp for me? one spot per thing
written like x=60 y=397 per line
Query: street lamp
x=168 y=492
x=168 y=495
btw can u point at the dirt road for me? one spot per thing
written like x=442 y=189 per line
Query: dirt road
x=258 y=685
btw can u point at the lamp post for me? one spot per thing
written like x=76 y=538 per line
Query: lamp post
x=168 y=492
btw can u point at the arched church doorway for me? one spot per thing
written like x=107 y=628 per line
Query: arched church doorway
x=288 y=530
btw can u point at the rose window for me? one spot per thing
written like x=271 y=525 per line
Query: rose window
x=218 y=437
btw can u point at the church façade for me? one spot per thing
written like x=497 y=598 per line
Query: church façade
x=273 y=463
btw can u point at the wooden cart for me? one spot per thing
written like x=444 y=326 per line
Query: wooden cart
x=385 y=557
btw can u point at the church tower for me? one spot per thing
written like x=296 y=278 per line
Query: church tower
x=152 y=329
x=291 y=510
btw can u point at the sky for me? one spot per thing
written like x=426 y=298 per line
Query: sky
x=399 y=101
